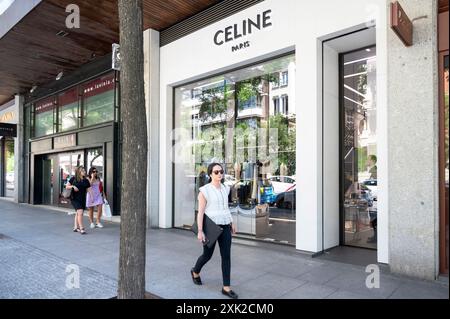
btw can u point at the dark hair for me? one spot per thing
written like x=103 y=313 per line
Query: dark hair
x=210 y=170
x=91 y=171
x=373 y=158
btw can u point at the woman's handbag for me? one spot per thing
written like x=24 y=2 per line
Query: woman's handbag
x=67 y=193
x=106 y=209
x=211 y=230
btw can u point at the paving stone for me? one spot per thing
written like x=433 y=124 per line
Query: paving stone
x=33 y=262
x=309 y=291
x=28 y=272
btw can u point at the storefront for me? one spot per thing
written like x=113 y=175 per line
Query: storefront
x=77 y=126
x=290 y=107
x=8 y=146
x=298 y=104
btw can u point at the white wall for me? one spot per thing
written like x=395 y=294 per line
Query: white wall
x=15 y=13
x=331 y=147
x=16 y=111
x=296 y=24
x=151 y=78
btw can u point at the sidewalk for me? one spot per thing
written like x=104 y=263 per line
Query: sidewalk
x=37 y=244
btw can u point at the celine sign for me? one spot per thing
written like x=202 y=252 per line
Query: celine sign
x=401 y=24
x=242 y=29
x=8 y=130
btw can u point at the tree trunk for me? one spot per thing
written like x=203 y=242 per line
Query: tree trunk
x=134 y=153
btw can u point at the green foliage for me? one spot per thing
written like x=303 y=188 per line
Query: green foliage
x=210 y=143
x=9 y=146
x=99 y=109
x=286 y=141
x=214 y=101
x=362 y=159
x=44 y=123
x=253 y=87
x=248 y=89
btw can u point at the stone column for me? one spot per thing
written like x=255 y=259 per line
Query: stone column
x=19 y=175
x=413 y=145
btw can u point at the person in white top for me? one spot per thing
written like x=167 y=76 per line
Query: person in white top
x=213 y=201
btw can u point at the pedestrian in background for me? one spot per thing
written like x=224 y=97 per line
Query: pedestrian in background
x=79 y=186
x=95 y=198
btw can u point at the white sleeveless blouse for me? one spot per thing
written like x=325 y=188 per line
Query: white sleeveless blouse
x=217 y=203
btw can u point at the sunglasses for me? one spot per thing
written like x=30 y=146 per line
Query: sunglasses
x=218 y=172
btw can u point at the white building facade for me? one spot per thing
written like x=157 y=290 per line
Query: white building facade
x=318 y=74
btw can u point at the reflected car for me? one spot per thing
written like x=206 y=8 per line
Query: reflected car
x=286 y=199
x=281 y=183
x=9 y=180
x=267 y=195
x=372 y=185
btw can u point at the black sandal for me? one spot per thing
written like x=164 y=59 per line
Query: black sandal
x=82 y=231
x=76 y=230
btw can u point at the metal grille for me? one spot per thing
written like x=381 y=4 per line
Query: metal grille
x=209 y=16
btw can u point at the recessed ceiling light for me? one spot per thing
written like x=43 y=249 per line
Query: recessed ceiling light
x=62 y=33
x=368 y=50
x=59 y=76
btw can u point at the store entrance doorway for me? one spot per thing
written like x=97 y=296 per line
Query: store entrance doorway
x=52 y=173
x=67 y=165
x=358 y=148
x=7 y=178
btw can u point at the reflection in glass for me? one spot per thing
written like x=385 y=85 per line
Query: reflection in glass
x=95 y=159
x=359 y=148
x=446 y=140
x=9 y=160
x=44 y=123
x=68 y=163
x=234 y=119
x=68 y=110
x=98 y=100
x=99 y=108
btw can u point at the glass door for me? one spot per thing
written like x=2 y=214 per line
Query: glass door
x=68 y=163
x=9 y=168
x=358 y=148
x=444 y=161
x=47 y=181
x=95 y=159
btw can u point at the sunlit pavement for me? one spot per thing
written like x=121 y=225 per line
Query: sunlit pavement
x=38 y=253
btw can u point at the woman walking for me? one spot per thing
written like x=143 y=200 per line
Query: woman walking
x=213 y=201
x=79 y=185
x=94 y=198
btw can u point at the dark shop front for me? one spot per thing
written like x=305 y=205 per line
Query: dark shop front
x=77 y=126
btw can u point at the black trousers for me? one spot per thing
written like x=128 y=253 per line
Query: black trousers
x=225 y=251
